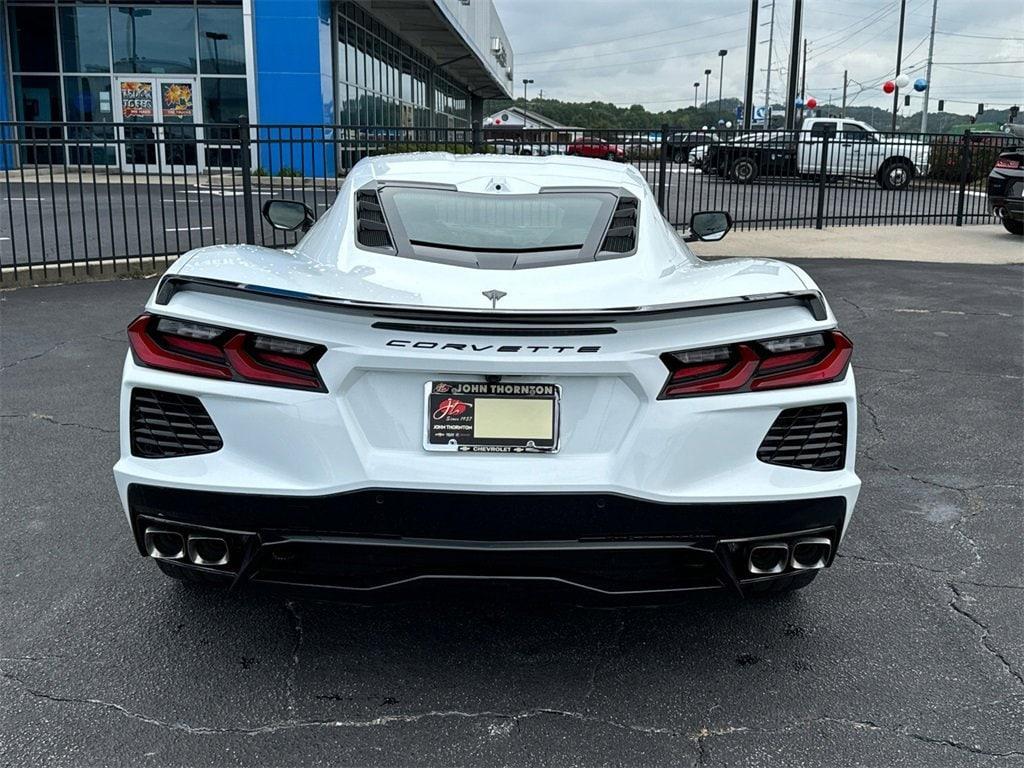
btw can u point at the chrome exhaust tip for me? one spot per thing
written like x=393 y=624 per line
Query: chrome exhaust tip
x=768 y=559
x=164 y=545
x=208 y=550
x=811 y=554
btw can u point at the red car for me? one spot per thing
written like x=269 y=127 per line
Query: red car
x=596 y=148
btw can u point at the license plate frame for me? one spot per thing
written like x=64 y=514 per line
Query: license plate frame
x=452 y=426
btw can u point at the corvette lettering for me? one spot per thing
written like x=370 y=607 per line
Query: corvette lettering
x=506 y=348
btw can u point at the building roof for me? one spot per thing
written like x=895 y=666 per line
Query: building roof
x=517 y=117
x=465 y=39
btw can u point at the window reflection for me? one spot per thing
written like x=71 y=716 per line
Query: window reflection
x=153 y=39
x=33 y=32
x=84 y=38
x=221 y=41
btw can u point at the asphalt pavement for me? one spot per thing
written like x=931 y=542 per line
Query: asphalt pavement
x=909 y=651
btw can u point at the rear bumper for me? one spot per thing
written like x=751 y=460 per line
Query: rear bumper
x=378 y=544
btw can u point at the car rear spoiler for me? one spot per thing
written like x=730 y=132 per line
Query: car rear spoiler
x=810 y=300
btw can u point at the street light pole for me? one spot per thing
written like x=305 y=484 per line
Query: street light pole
x=707 y=84
x=748 y=91
x=794 y=64
x=696 y=87
x=721 y=75
x=526 y=81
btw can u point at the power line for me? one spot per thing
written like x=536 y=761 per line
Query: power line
x=532 y=64
x=978 y=37
x=988 y=63
x=639 y=61
x=689 y=25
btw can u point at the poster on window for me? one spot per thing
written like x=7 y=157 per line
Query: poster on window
x=136 y=100
x=177 y=100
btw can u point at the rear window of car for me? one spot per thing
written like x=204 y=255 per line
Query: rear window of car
x=496 y=222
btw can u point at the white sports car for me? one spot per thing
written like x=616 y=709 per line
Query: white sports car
x=476 y=368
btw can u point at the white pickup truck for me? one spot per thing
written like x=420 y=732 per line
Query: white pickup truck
x=857 y=149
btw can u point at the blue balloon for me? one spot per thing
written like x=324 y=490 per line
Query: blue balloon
x=920 y=84
x=799 y=103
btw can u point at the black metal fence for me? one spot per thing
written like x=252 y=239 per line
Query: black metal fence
x=91 y=198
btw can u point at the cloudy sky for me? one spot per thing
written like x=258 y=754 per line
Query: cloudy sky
x=652 y=51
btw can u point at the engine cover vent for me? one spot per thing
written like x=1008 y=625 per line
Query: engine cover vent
x=621 y=234
x=371 y=227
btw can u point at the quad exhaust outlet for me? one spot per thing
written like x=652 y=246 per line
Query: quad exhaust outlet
x=172 y=545
x=775 y=557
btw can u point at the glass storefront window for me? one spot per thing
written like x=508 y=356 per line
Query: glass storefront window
x=88 y=100
x=37 y=98
x=221 y=43
x=84 y=38
x=33 y=32
x=224 y=99
x=154 y=39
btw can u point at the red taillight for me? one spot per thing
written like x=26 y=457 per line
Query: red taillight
x=1006 y=162
x=220 y=353
x=792 y=361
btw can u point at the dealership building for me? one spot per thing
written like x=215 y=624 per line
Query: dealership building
x=155 y=64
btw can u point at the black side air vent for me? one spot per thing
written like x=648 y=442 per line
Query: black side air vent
x=621 y=235
x=812 y=437
x=372 y=230
x=166 y=424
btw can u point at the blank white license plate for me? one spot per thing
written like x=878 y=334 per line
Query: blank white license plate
x=484 y=417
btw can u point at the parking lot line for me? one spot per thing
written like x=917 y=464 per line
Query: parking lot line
x=184 y=229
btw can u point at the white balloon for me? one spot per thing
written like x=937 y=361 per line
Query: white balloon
x=703 y=127
x=903 y=81
x=728 y=124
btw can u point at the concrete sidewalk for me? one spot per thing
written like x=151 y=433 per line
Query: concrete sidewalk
x=974 y=244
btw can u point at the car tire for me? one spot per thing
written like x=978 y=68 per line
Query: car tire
x=780 y=586
x=896 y=175
x=680 y=157
x=1013 y=226
x=189 y=575
x=743 y=170
x=610 y=157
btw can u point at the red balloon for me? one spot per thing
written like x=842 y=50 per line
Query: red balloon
x=889 y=86
x=497 y=121
x=812 y=103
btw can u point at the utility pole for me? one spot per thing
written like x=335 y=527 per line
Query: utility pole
x=794 y=64
x=526 y=81
x=696 y=87
x=721 y=76
x=928 y=72
x=899 y=64
x=748 y=91
x=768 y=76
x=846 y=80
x=707 y=84
x=803 y=75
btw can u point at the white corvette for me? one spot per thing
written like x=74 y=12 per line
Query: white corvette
x=476 y=368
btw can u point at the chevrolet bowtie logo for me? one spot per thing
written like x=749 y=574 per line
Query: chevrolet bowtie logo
x=495 y=296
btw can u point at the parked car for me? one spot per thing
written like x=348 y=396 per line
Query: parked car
x=681 y=144
x=515 y=147
x=1006 y=190
x=445 y=382
x=746 y=158
x=594 y=147
x=857 y=149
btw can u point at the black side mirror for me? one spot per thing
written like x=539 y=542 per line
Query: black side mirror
x=288 y=215
x=708 y=226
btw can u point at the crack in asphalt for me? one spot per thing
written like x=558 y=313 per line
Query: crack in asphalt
x=612 y=648
x=985 y=632
x=947 y=575
x=698 y=739
x=36 y=356
x=293 y=612
x=51 y=420
x=916 y=371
